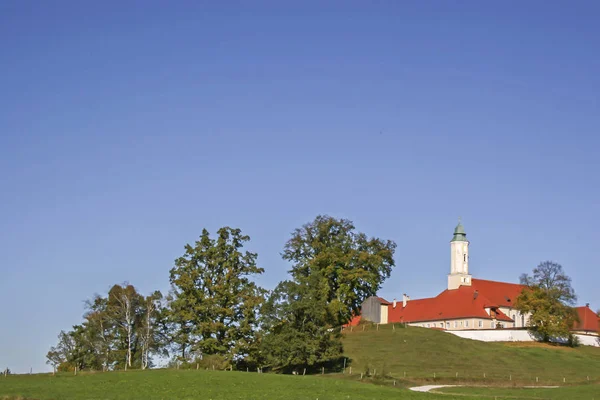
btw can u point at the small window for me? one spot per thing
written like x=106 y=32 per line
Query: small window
x=461 y=323
x=456 y=324
x=428 y=325
x=464 y=257
x=467 y=324
x=493 y=325
x=480 y=324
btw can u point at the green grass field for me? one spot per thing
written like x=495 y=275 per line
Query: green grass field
x=421 y=352
x=383 y=356
x=192 y=384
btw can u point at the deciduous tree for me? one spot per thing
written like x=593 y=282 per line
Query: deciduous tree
x=123 y=307
x=298 y=322
x=353 y=265
x=215 y=302
x=548 y=297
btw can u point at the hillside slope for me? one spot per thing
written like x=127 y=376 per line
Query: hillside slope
x=421 y=352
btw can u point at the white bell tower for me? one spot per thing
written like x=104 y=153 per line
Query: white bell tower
x=459 y=259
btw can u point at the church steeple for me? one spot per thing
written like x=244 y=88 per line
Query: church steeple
x=459 y=233
x=459 y=259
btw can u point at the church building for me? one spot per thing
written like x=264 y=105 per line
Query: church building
x=467 y=303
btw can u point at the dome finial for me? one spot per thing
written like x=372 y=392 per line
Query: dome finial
x=459 y=232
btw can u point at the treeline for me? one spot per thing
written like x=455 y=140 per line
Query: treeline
x=216 y=314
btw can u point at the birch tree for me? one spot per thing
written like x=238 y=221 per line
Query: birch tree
x=123 y=307
x=150 y=335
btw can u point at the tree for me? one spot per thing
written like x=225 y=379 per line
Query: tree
x=548 y=297
x=214 y=304
x=297 y=318
x=151 y=337
x=123 y=307
x=61 y=355
x=101 y=327
x=550 y=277
x=353 y=265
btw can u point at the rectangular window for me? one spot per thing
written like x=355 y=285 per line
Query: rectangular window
x=481 y=324
x=456 y=324
x=467 y=324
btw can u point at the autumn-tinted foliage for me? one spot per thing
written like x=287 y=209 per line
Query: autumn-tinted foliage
x=548 y=297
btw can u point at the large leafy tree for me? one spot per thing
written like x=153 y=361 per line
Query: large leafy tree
x=549 y=297
x=297 y=318
x=215 y=302
x=352 y=265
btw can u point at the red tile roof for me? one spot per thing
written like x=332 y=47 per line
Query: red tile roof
x=464 y=302
x=500 y=294
x=354 y=321
x=588 y=320
x=383 y=301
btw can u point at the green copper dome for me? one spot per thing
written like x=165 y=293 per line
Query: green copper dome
x=459 y=233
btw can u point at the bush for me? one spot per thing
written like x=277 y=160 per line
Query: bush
x=573 y=341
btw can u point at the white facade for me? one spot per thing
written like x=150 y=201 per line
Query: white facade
x=515 y=335
x=459 y=260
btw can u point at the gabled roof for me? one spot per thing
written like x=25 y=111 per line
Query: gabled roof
x=588 y=320
x=464 y=302
x=499 y=294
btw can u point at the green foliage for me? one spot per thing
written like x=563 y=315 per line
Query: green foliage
x=297 y=317
x=548 y=297
x=353 y=265
x=119 y=331
x=214 y=305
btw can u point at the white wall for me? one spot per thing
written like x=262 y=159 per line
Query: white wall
x=513 y=335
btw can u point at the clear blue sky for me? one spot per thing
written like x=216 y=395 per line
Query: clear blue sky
x=127 y=127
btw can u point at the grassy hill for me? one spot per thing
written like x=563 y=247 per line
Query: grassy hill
x=192 y=384
x=385 y=353
x=421 y=352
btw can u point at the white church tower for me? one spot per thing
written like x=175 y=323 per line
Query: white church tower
x=459 y=259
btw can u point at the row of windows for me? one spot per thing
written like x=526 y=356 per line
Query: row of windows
x=457 y=324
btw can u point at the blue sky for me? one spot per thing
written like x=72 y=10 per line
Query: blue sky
x=127 y=127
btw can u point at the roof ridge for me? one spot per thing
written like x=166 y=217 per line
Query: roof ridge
x=489 y=280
